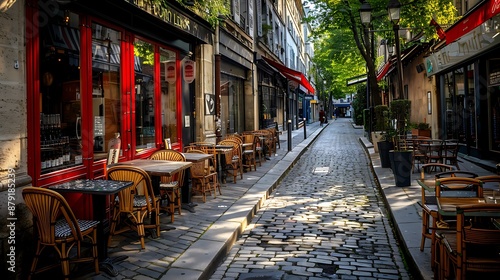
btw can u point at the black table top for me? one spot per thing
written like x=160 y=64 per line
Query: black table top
x=102 y=187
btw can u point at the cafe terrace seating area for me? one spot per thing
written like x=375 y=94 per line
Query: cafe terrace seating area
x=460 y=216
x=135 y=194
x=427 y=150
x=459 y=210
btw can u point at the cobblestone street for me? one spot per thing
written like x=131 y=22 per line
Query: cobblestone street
x=325 y=220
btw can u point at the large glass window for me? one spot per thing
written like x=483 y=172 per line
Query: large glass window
x=60 y=106
x=471 y=106
x=460 y=105
x=494 y=103
x=459 y=125
x=106 y=101
x=449 y=93
x=168 y=79
x=231 y=104
x=144 y=61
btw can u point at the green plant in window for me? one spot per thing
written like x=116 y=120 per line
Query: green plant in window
x=145 y=52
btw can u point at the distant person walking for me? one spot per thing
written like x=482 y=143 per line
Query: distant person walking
x=321 y=117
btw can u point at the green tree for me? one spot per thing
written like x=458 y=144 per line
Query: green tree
x=342 y=45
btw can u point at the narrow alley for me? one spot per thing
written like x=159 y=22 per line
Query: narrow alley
x=325 y=220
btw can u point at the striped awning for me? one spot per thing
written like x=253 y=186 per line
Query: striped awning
x=65 y=37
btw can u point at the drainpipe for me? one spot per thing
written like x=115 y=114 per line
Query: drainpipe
x=218 y=125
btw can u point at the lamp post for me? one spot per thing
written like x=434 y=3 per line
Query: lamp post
x=365 y=13
x=394 y=9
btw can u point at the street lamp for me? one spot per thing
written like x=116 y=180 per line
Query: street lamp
x=394 y=10
x=365 y=13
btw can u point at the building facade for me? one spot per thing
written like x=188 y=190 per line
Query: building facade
x=77 y=79
x=465 y=67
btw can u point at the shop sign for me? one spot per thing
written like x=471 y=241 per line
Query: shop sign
x=473 y=43
x=175 y=17
x=170 y=71
x=189 y=70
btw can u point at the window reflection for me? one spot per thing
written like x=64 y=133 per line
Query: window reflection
x=144 y=62
x=60 y=106
x=105 y=87
x=231 y=104
x=168 y=73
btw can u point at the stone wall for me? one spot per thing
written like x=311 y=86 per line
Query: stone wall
x=15 y=221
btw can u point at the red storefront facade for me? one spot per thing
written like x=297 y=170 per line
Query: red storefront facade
x=92 y=76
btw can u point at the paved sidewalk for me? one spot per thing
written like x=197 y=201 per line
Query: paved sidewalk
x=406 y=213
x=201 y=240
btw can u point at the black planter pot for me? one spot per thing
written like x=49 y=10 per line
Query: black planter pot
x=402 y=168
x=383 y=149
x=391 y=159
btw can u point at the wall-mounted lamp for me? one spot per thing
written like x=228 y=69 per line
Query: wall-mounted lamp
x=66 y=17
x=390 y=49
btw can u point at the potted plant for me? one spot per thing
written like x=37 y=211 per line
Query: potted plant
x=380 y=124
x=385 y=145
x=421 y=129
x=401 y=155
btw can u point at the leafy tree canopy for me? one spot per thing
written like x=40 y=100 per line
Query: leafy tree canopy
x=338 y=35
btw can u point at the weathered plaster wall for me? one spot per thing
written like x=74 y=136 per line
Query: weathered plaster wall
x=15 y=238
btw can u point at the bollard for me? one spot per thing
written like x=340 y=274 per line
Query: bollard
x=289 y=135
x=305 y=132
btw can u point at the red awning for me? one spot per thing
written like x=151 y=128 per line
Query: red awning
x=291 y=74
x=384 y=70
x=482 y=13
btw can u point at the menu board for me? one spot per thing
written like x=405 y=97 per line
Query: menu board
x=98 y=126
x=494 y=78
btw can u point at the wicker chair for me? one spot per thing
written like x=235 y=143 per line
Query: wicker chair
x=134 y=203
x=269 y=142
x=249 y=153
x=58 y=227
x=170 y=187
x=234 y=164
x=204 y=180
x=234 y=137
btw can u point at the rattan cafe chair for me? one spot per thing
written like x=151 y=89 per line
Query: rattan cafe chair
x=203 y=180
x=57 y=227
x=234 y=165
x=134 y=204
x=170 y=186
x=249 y=152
